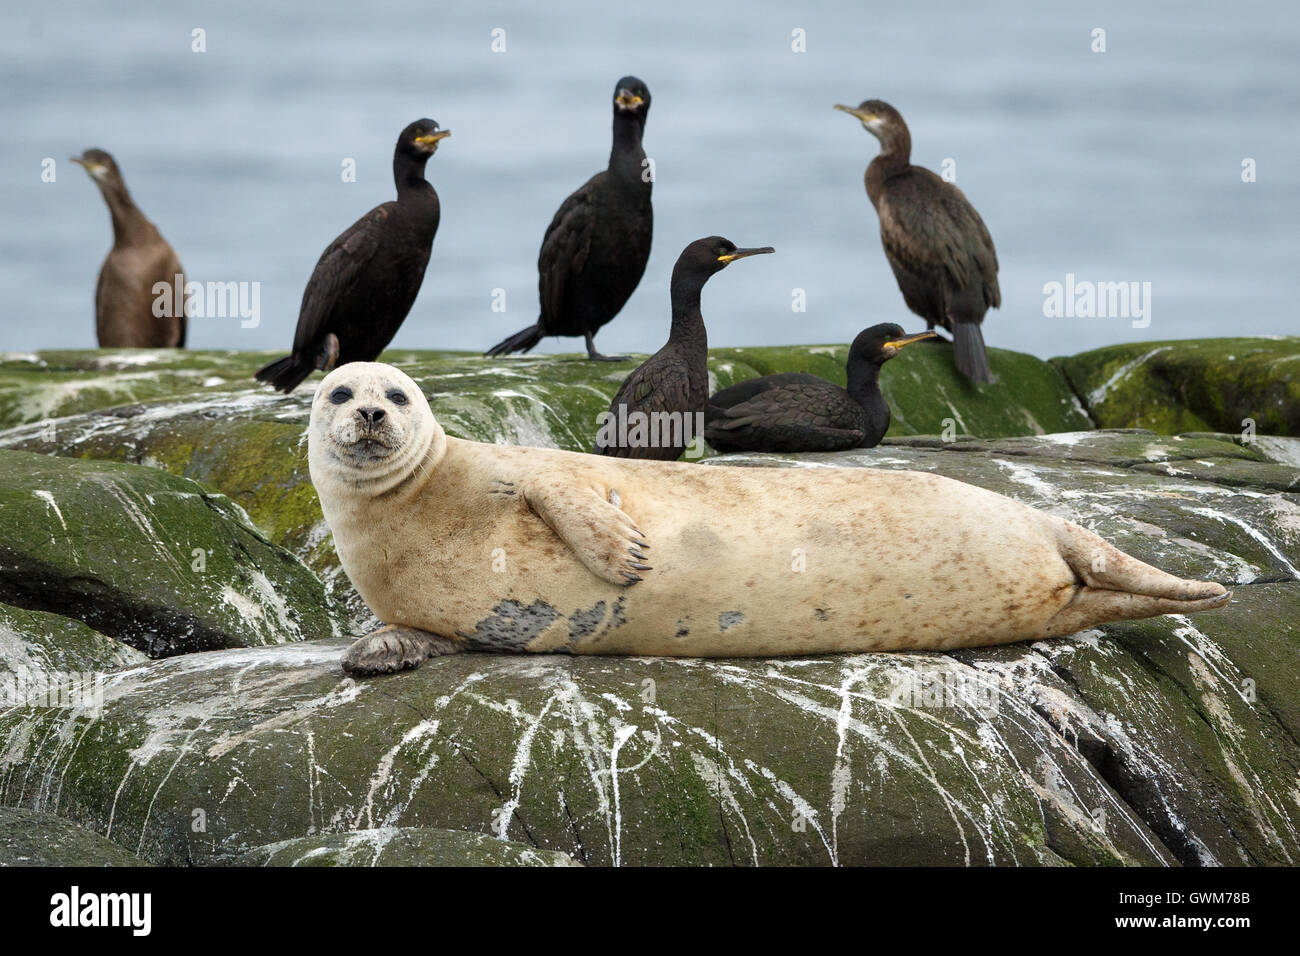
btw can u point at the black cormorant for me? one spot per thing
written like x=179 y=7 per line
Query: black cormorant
x=656 y=405
x=596 y=247
x=795 y=411
x=125 y=295
x=936 y=243
x=367 y=279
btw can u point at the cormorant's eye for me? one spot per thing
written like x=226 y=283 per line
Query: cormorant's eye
x=397 y=398
x=340 y=395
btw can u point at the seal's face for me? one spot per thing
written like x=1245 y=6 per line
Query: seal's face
x=368 y=421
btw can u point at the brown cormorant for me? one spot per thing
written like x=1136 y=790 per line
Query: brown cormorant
x=656 y=405
x=936 y=243
x=596 y=247
x=367 y=279
x=795 y=411
x=140 y=258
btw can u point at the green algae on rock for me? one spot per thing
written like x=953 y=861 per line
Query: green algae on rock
x=1192 y=385
x=40 y=651
x=609 y=760
x=159 y=562
x=39 y=386
x=927 y=395
x=403 y=846
x=28 y=838
x=1148 y=742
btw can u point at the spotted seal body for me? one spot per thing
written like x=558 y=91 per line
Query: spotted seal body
x=463 y=545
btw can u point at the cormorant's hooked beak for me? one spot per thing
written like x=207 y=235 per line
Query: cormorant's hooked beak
x=743 y=253
x=430 y=140
x=862 y=115
x=627 y=100
x=96 y=170
x=890 y=349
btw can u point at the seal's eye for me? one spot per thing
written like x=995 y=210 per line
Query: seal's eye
x=340 y=395
x=397 y=398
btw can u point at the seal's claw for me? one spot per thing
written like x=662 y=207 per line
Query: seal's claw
x=392 y=648
x=592 y=524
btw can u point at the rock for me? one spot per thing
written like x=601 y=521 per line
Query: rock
x=402 y=846
x=1151 y=742
x=927 y=395
x=156 y=561
x=28 y=838
x=41 y=386
x=40 y=651
x=1191 y=385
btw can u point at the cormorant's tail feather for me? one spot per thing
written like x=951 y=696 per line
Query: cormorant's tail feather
x=972 y=361
x=285 y=374
x=521 y=341
x=1119 y=587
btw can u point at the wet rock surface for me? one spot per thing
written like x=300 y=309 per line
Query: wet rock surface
x=28 y=838
x=403 y=846
x=1157 y=742
x=161 y=563
x=1191 y=385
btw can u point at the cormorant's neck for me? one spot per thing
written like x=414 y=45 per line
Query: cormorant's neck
x=627 y=154
x=129 y=223
x=688 y=323
x=864 y=385
x=408 y=174
x=894 y=157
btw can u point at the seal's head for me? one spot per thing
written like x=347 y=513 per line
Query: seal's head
x=371 y=428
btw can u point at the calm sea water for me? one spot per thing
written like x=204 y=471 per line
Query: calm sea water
x=1117 y=166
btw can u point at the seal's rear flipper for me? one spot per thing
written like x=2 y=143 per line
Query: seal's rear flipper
x=594 y=527
x=1099 y=564
x=1115 y=586
x=1091 y=606
x=395 y=648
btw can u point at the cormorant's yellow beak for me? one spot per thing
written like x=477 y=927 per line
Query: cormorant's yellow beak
x=428 y=139
x=854 y=111
x=742 y=253
x=95 y=169
x=627 y=100
x=896 y=344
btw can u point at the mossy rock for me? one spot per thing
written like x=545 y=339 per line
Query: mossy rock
x=609 y=761
x=41 y=386
x=403 y=846
x=1170 y=740
x=927 y=394
x=28 y=838
x=40 y=651
x=159 y=562
x=1192 y=385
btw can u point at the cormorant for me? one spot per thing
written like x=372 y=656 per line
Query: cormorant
x=596 y=247
x=140 y=258
x=936 y=243
x=795 y=411
x=656 y=405
x=367 y=279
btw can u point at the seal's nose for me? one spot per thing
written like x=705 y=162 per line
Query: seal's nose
x=371 y=416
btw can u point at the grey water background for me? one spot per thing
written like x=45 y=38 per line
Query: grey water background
x=1115 y=166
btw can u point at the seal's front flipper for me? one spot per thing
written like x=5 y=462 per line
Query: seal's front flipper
x=395 y=648
x=594 y=527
